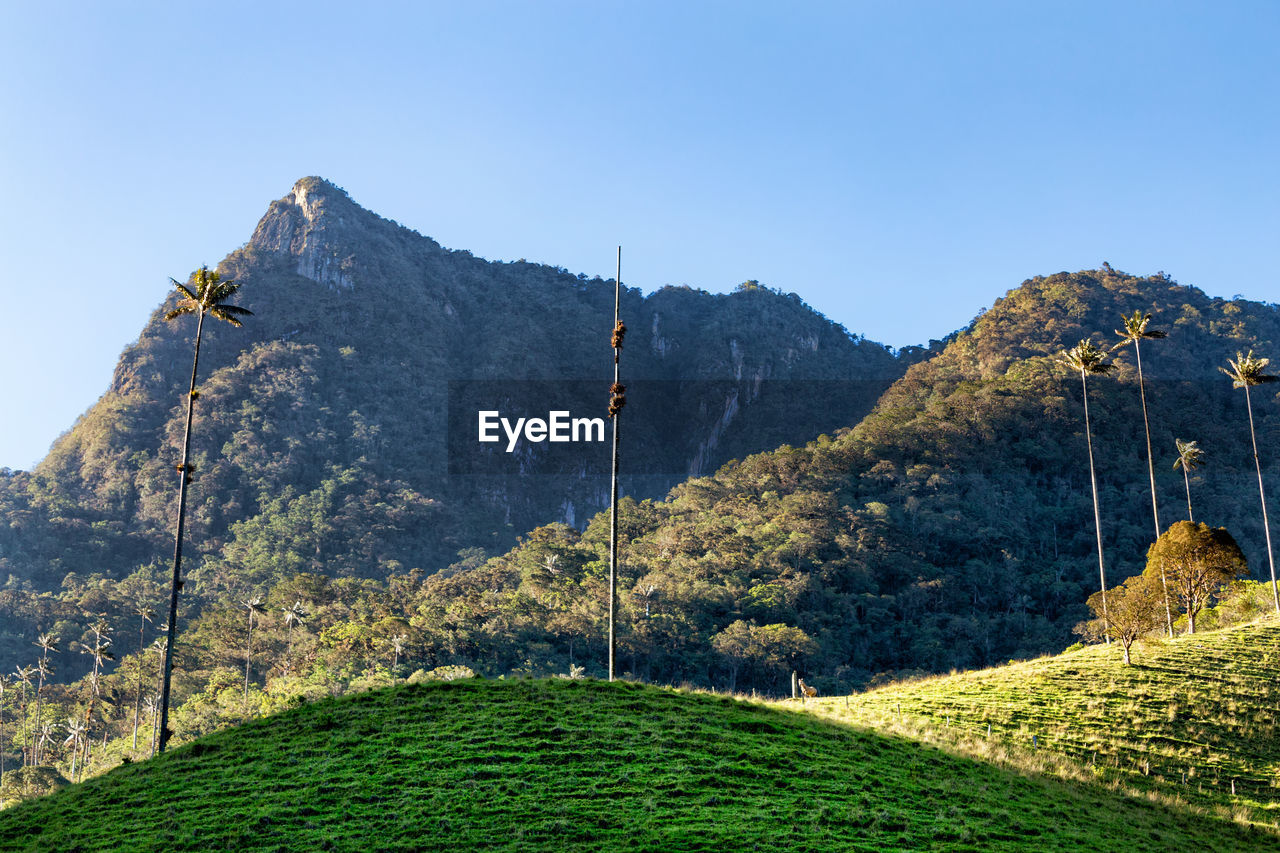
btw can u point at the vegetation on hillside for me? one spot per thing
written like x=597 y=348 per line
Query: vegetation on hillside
x=570 y=764
x=1193 y=719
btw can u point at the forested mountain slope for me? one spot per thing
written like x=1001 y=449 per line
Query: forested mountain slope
x=952 y=527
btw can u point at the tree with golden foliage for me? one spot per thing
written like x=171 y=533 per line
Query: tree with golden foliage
x=1198 y=561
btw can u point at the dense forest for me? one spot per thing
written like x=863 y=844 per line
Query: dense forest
x=938 y=521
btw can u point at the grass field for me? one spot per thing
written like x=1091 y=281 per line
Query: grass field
x=584 y=765
x=1193 y=719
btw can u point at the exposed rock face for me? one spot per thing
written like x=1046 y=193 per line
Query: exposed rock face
x=368 y=353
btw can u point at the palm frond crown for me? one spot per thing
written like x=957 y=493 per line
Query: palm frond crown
x=1247 y=370
x=211 y=296
x=1087 y=357
x=1135 y=329
x=1189 y=455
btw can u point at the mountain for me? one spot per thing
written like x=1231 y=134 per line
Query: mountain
x=336 y=432
x=582 y=765
x=951 y=528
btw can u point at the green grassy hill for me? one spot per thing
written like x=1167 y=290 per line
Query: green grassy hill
x=1191 y=718
x=584 y=765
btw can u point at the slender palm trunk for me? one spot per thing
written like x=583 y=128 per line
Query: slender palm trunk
x=613 y=491
x=137 y=699
x=177 y=546
x=1097 y=513
x=26 y=738
x=1275 y=590
x=35 y=756
x=155 y=729
x=248 y=655
x=1186 y=479
x=1151 y=472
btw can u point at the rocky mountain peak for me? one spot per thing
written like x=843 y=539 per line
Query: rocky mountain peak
x=308 y=223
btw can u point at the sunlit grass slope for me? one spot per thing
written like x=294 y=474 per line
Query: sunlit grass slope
x=1190 y=718
x=574 y=765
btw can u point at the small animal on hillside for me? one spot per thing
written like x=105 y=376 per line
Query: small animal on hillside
x=807 y=690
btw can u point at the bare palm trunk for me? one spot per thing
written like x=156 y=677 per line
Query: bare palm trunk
x=36 y=746
x=184 y=476
x=248 y=655
x=1151 y=472
x=1097 y=513
x=137 y=699
x=613 y=489
x=1187 y=480
x=1275 y=590
x=155 y=729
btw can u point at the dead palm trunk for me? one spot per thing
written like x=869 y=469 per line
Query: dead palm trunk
x=617 y=400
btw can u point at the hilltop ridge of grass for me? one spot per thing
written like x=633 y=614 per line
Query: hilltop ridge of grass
x=583 y=765
x=1195 y=718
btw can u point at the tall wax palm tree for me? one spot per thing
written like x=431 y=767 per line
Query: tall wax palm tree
x=1134 y=332
x=24 y=674
x=397 y=648
x=210 y=297
x=45 y=738
x=293 y=615
x=145 y=615
x=100 y=651
x=4 y=684
x=254 y=606
x=75 y=734
x=47 y=643
x=43 y=670
x=152 y=704
x=1189 y=456
x=1245 y=372
x=1087 y=358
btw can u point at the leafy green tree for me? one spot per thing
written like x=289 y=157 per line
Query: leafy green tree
x=1087 y=358
x=1134 y=332
x=1245 y=372
x=1189 y=456
x=1133 y=610
x=210 y=297
x=1199 y=561
x=768 y=647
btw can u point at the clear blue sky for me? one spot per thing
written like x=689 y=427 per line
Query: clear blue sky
x=900 y=165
